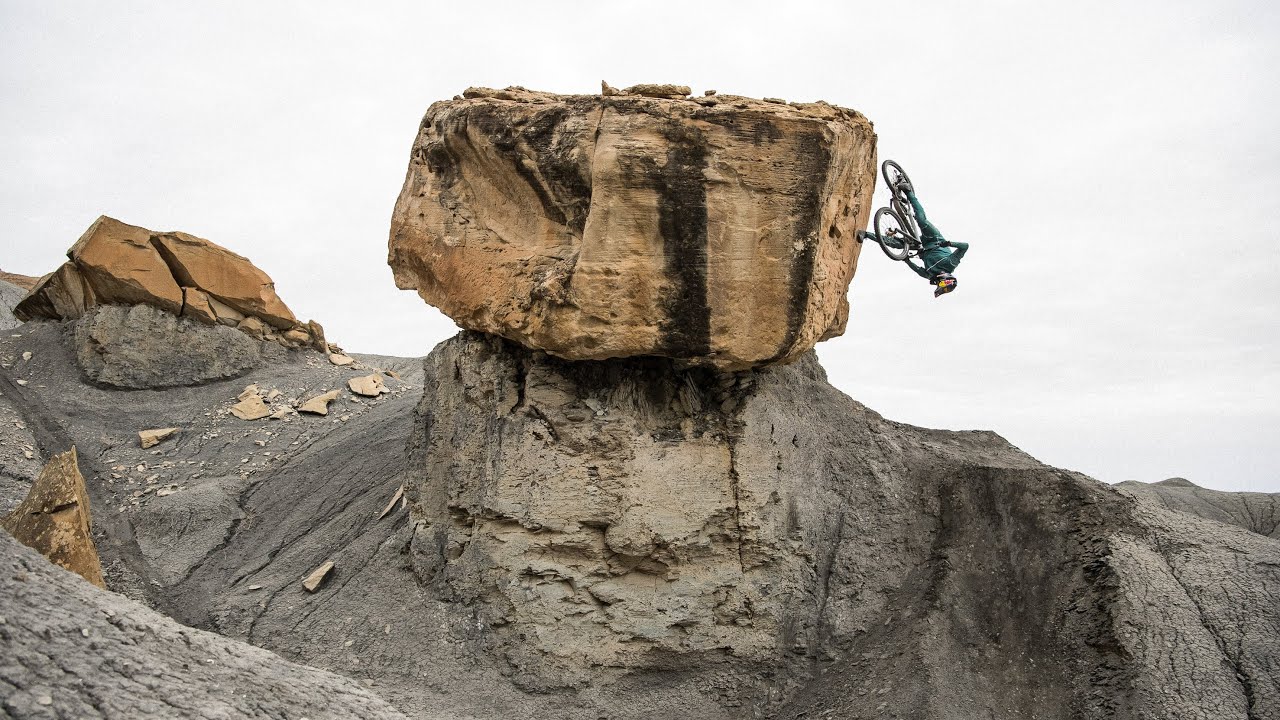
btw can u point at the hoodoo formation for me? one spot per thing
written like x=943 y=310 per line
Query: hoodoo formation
x=626 y=490
x=718 y=230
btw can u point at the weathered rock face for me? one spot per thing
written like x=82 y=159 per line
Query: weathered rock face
x=718 y=231
x=1254 y=511
x=144 y=347
x=10 y=295
x=55 y=519
x=766 y=538
x=72 y=651
x=26 y=282
x=118 y=264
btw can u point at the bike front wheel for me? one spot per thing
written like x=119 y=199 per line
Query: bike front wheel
x=890 y=229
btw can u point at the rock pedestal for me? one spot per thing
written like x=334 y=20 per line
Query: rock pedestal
x=763 y=537
x=719 y=231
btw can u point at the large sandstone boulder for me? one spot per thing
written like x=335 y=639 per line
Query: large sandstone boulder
x=718 y=231
x=114 y=263
x=55 y=520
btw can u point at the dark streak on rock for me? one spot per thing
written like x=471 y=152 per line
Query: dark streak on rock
x=813 y=158
x=682 y=221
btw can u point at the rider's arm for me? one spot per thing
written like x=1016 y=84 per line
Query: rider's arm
x=919 y=269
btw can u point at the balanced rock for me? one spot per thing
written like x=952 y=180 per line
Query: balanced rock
x=598 y=226
x=114 y=263
x=55 y=520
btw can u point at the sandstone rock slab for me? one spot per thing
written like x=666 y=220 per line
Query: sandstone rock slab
x=151 y=438
x=319 y=405
x=231 y=278
x=123 y=267
x=596 y=227
x=368 y=385
x=55 y=519
x=115 y=263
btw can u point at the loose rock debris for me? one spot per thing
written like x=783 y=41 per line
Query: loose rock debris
x=151 y=438
x=317 y=577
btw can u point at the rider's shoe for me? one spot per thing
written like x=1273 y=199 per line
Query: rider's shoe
x=863 y=235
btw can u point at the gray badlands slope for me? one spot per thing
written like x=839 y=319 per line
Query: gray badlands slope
x=1259 y=512
x=74 y=651
x=837 y=564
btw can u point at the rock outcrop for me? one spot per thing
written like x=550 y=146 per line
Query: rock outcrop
x=718 y=230
x=761 y=536
x=55 y=519
x=1254 y=511
x=142 y=346
x=72 y=651
x=10 y=295
x=118 y=264
x=26 y=282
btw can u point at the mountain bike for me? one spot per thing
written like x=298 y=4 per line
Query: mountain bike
x=896 y=224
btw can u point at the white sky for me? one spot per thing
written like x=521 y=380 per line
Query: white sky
x=1115 y=166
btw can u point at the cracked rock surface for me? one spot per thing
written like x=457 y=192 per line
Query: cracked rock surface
x=69 y=650
x=767 y=541
x=719 y=230
x=636 y=540
x=1254 y=511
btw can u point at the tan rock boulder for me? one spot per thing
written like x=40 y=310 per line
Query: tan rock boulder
x=114 y=263
x=151 y=438
x=319 y=405
x=55 y=519
x=62 y=294
x=368 y=385
x=123 y=267
x=196 y=262
x=195 y=304
x=719 y=230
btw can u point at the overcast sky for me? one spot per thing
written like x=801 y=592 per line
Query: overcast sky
x=1114 y=165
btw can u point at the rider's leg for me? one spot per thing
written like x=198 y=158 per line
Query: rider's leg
x=926 y=227
x=917 y=207
x=891 y=241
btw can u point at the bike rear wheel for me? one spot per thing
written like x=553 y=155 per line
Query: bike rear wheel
x=889 y=224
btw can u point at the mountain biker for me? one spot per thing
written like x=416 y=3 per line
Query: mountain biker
x=937 y=262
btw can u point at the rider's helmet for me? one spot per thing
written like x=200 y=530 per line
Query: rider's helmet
x=945 y=282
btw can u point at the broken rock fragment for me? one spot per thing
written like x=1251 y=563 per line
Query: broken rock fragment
x=319 y=405
x=55 y=520
x=250 y=406
x=368 y=385
x=340 y=360
x=151 y=438
x=317 y=577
